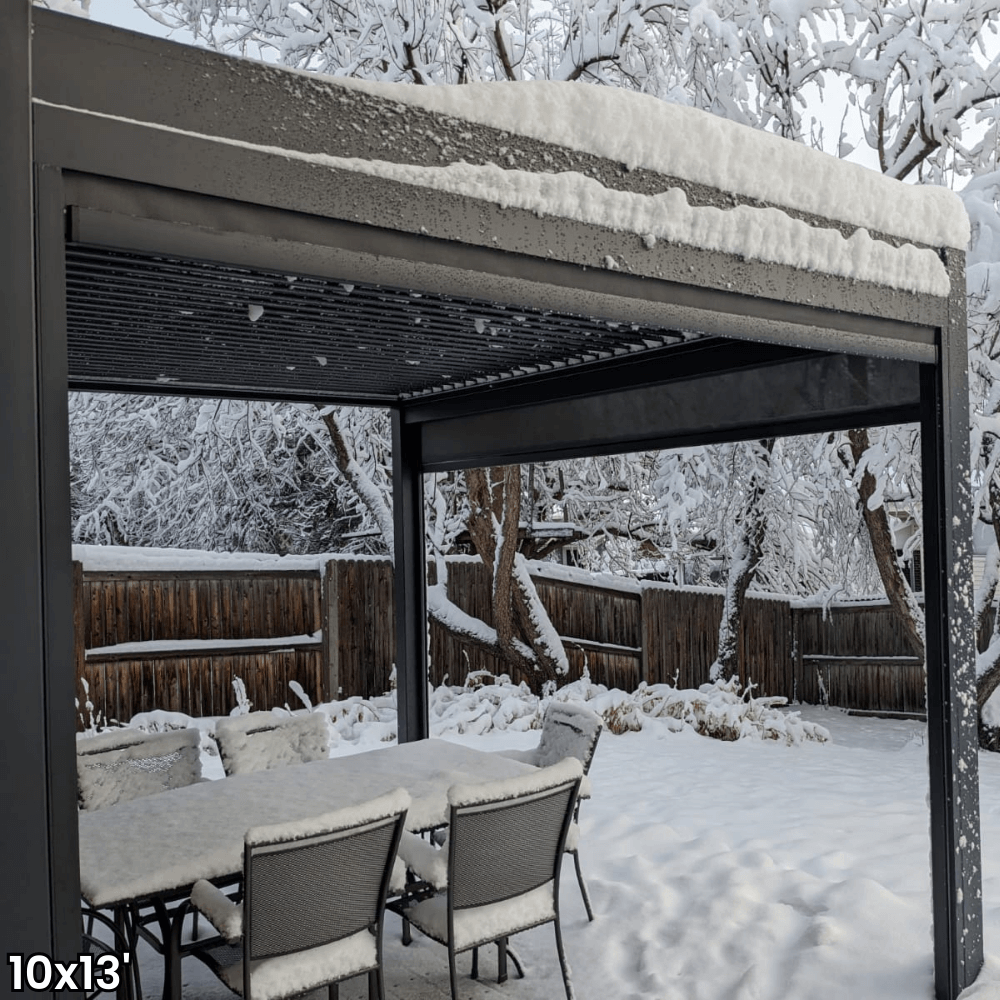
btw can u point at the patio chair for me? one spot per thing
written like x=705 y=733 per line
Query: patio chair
x=498 y=872
x=126 y=764
x=122 y=765
x=313 y=903
x=261 y=741
x=568 y=730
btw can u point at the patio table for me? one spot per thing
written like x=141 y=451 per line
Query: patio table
x=154 y=849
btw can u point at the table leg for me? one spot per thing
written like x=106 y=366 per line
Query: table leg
x=172 y=981
x=171 y=932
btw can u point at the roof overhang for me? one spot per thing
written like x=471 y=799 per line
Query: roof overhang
x=222 y=242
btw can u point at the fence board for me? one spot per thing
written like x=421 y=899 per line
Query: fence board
x=857 y=657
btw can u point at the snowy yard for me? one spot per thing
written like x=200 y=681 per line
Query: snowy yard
x=747 y=870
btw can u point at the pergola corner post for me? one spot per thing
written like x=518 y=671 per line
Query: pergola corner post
x=41 y=885
x=409 y=581
x=952 y=715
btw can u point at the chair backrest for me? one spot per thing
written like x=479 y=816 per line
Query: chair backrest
x=261 y=741
x=568 y=730
x=319 y=880
x=506 y=837
x=127 y=764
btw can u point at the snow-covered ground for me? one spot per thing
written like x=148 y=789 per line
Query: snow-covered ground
x=750 y=870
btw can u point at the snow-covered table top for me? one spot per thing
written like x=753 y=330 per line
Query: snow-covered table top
x=166 y=842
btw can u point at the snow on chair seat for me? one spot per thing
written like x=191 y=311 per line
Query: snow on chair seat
x=127 y=764
x=313 y=903
x=261 y=741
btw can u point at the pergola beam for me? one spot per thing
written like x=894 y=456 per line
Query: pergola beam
x=806 y=393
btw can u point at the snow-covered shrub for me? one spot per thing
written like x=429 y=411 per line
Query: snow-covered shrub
x=726 y=711
x=722 y=710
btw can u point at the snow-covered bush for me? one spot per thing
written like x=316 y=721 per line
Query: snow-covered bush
x=488 y=703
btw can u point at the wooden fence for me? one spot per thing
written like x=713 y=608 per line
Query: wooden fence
x=652 y=633
x=176 y=640
x=242 y=624
x=856 y=656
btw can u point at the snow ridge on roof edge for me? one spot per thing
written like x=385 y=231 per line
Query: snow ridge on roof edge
x=639 y=130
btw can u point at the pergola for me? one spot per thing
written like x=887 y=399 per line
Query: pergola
x=177 y=221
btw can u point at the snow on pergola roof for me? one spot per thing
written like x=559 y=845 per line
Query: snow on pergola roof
x=641 y=131
x=451 y=237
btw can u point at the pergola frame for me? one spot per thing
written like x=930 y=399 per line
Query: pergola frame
x=120 y=141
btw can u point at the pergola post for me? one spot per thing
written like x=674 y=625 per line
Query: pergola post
x=952 y=716
x=409 y=580
x=41 y=884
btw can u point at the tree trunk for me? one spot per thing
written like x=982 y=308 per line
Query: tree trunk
x=527 y=642
x=744 y=560
x=897 y=589
x=523 y=634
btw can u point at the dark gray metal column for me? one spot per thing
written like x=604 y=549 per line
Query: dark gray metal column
x=956 y=868
x=56 y=552
x=409 y=581
x=39 y=892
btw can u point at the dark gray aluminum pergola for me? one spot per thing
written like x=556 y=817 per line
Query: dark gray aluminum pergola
x=147 y=207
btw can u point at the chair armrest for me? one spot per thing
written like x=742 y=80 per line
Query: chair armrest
x=224 y=915
x=397 y=877
x=425 y=860
x=573 y=838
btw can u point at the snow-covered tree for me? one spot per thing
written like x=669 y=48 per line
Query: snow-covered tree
x=211 y=474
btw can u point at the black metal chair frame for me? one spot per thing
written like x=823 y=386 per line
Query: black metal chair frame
x=512 y=868
x=552 y=718
x=121 y=943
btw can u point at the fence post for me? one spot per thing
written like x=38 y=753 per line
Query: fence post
x=330 y=598
x=645 y=640
x=79 y=638
x=796 y=653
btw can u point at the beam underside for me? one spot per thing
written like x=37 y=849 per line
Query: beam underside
x=813 y=394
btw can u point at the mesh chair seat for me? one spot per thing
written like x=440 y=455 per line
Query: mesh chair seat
x=313 y=901
x=484 y=924
x=261 y=741
x=287 y=975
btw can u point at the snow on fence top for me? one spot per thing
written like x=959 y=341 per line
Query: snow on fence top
x=134 y=559
x=643 y=131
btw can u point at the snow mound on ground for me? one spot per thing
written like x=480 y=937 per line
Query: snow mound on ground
x=488 y=703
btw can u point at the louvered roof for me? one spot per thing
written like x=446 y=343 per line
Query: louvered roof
x=144 y=321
